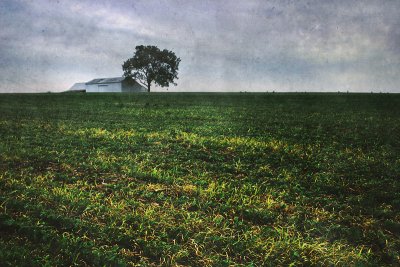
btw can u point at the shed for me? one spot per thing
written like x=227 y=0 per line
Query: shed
x=117 y=84
x=78 y=87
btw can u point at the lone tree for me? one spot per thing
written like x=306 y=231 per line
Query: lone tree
x=149 y=64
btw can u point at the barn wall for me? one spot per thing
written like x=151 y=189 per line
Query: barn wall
x=91 y=88
x=103 y=88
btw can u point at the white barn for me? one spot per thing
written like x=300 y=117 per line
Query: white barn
x=118 y=84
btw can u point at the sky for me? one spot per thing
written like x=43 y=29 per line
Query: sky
x=224 y=45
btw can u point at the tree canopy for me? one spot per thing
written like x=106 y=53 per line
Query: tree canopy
x=150 y=65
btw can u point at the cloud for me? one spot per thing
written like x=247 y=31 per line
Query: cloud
x=224 y=45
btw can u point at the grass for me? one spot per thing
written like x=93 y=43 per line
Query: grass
x=199 y=179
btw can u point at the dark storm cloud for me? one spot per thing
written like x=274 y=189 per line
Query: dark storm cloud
x=224 y=45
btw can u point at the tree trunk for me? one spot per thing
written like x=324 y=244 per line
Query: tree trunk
x=148 y=86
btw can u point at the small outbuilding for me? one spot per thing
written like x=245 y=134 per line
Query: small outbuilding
x=78 y=87
x=117 y=84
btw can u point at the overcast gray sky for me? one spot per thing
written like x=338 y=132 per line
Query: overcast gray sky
x=252 y=45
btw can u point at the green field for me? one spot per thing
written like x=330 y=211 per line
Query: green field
x=199 y=179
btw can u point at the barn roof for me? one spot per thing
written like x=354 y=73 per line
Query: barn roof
x=106 y=80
